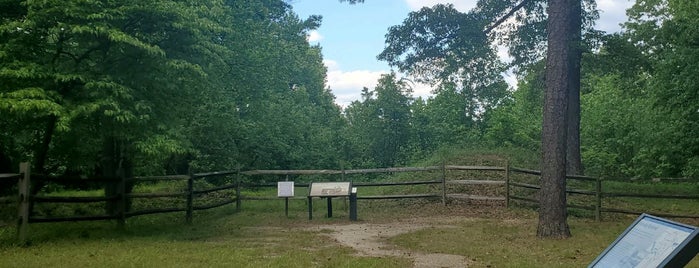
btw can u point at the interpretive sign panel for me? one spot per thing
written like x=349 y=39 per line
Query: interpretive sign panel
x=285 y=189
x=329 y=189
x=651 y=242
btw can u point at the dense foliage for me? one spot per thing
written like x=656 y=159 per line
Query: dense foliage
x=642 y=104
x=95 y=87
x=159 y=87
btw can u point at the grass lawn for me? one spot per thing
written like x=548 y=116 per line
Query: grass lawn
x=261 y=236
x=255 y=237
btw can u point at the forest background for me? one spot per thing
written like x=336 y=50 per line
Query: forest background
x=170 y=87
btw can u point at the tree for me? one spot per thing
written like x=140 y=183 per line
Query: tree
x=380 y=124
x=430 y=44
x=85 y=73
x=102 y=84
x=560 y=61
x=664 y=32
x=573 y=157
x=526 y=38
x=269 y=106
x=449 y=49
x=517 y=122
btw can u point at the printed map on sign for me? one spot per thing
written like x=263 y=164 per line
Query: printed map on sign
x=647 y=244
x=322 y=189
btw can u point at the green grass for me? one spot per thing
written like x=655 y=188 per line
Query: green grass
x=653 y=205
x=262 y=236
x=259 y=236
x=511 y=242
x=645 y=187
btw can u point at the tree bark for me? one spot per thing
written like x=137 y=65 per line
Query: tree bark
x=552 y=197
x=573 y=158
x=42 y=154
x=42 y=151
x=115 y=163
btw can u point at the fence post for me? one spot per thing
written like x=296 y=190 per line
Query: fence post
x=190 y=198
x=237 y=191
x=444 y=184
x=121 y=203
x=507 y=183
x=598 y=197
x=23 y=208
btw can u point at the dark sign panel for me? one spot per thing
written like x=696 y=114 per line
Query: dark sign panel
x=651 y=242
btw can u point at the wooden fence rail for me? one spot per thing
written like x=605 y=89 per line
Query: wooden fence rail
x=189 y=194
x=598 y=194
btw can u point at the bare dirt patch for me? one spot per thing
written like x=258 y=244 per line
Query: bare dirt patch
x=370 y=239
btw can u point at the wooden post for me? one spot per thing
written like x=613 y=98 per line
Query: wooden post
x=344 y=198
x=444 y=184
x=310 y=208
x=121 y=203
x=23 y=208
x=353 y=204
x=190 y=198
x=286 y=200
x=507 y=184
x=598 y=197
x=330 y=207
x=238 y=201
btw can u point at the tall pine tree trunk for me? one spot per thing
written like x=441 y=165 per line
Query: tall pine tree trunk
x=574 y=159
x=552 y=197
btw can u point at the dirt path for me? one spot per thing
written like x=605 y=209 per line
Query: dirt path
x=370 y=240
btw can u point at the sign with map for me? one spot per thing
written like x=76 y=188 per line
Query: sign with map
x=329 y=189
x=650 y=242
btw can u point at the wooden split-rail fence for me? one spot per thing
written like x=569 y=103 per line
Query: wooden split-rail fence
x=447 y=184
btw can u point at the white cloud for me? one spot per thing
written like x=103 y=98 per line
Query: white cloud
x=331 y=64
x=347 y=85
x=460 y=5
x=422 y=90
x=314 y=36
x=355 y=79
x=612 y=13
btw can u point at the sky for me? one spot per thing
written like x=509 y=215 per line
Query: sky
x=351 y=36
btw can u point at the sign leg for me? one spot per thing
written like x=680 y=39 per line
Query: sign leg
x=353 y=205
x=310 y=208
x=330 y=207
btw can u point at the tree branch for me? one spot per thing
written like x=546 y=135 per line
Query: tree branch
x=505 y=17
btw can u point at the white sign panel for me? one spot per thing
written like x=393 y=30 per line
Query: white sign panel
x=285 y=189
